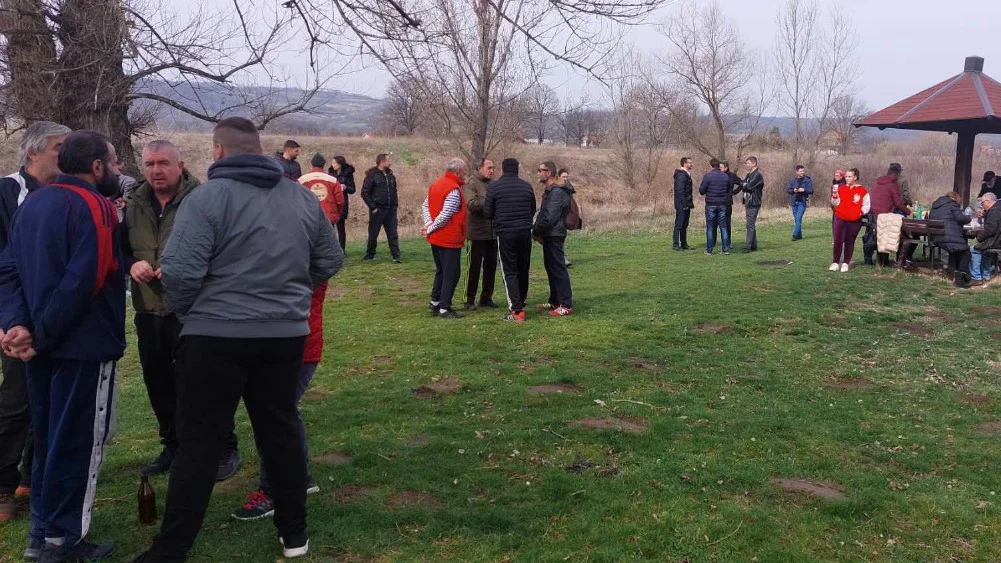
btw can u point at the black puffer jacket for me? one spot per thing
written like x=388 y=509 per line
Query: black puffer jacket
x=290 y=168
x=378 y=191
x=552 y=219
x=346 y=177
x=715 y=187
x=683 y=190
x=944 y=209
x=510 y=204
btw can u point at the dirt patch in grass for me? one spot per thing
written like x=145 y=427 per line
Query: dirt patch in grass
x=414 y=499
x=334 y=458
x=850 y=383
x=579 y=465
x=975 y=399
x=418 y=441
x=986 y=310
x=629 y=425
x=775 y=263
x=940 y=315
x=818 y=489
x=556 y=389
x=991 y=428
x=317 y=393
x=352 y=494
x=837 y=321
x=913 y=328
x=714 y=328
x=441 y=387
x=640 y=363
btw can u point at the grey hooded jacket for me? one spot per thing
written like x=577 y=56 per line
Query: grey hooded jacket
x=246 y=250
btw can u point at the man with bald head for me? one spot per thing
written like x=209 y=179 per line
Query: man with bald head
x=239 y=269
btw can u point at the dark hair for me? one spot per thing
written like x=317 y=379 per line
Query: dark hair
x=752 y=159
x=290 y=144
x=713 y=163
x=685 y=159
x=551 y=167
x=81 y=149
x=380 y=158
x=340 y=161
x=725 y=163
x=800 y=167
x=562 y=171
x=509 y=166
x=238 y=135
x=989 y=175
x=855 y=172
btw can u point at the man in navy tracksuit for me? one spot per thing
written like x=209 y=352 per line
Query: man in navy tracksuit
x=62 y=310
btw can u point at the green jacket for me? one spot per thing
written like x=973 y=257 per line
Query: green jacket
x=146 y=237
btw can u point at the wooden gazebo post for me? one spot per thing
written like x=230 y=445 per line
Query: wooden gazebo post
x=964 y=164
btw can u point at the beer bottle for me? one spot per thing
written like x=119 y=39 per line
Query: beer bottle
x=147 y=502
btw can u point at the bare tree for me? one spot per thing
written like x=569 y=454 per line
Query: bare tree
x=542 y=105
x=638 y=126
x=845 y=111
x=405 y=108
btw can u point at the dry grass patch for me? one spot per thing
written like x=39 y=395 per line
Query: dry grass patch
x=913 y=328
x=629 y=425
x=991 y=428
x=829 y=491
x=556 y=389
x=414 y=499
x=714 y=328
x=439 y=388
x=352 y=494
x=334 y=458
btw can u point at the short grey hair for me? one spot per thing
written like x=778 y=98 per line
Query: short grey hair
x=162 y=145
x=37 y=136
x=989 y=196
x=456 y=165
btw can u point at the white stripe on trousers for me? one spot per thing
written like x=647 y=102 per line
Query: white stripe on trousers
x=500 y=259
x=103 y=407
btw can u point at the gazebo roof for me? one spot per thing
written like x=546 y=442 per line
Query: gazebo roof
x=969 y=101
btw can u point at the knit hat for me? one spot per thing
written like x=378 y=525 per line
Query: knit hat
x=839 y=173
x=509 y=166
x=318 y=161
x=896 y=167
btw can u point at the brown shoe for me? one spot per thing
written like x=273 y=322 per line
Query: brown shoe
x=6 y=507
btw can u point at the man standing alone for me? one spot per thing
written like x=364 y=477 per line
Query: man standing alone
x=510 y=204
x=754 y=186
x=683 y=203
x=378 y=191
x=800 y=188
x=482 y=244
x=551 y=230
x=444 y=214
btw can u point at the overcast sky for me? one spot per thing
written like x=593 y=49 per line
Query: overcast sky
x=903 y=46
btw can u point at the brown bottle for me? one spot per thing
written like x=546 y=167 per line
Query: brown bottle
x=147 y=502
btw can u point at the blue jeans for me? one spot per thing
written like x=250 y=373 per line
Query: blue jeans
x=798 y=209
x=716 y=218
x=980 y=265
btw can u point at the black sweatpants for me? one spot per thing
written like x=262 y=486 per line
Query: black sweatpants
x=379 y=219
x=553 y=258
x=158 y=337
x=212 y=375
x=482 y=255
x=15 y=427
x=681 y=220
x=447 y=269
x=342 y=235
x=515 y=254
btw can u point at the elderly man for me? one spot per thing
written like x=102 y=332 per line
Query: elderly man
x=63 y=308
x=38 y=153
x=149 y=220
x=988 y=239
x=482 y=241
x=444 y=214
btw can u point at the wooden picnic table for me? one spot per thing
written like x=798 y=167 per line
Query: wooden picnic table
x=918 y=231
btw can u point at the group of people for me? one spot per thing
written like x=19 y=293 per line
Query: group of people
x=498 y=219
x=719 y=186
x=228 y=279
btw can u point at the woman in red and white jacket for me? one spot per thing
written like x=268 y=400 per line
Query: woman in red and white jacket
x=850 y=203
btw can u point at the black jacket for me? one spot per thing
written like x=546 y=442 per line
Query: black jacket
x=995 y=189
x=10 y=192
x=290 y=168
x=552 y=219
x=736 y=186
x=683 y=190
x=715 y=187
x=510 y=204
x=990 y=237
x=378 y=191
x=346 y=177
x=944 y=209
x=754 y=187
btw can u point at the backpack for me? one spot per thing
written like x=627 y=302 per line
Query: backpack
x=574 y=221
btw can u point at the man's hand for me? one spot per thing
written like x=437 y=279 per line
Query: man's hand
x=424 y=232
x=142 y=272
x=17 y=342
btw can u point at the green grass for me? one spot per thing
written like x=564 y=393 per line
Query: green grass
x=771 y=395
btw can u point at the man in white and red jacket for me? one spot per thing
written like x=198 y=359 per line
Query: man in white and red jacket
x=325 y=187
x=444 y=214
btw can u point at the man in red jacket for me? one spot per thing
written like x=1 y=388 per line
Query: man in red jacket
x=325 y=187
x=444 y=214
x=886 y=198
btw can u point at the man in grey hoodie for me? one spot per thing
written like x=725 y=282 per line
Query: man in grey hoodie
x=246 y=251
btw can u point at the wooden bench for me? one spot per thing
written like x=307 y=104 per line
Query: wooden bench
x=915 y=232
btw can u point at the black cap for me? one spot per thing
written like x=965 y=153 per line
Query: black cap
x=318 y=161
x=509 y=166
x=896 y=167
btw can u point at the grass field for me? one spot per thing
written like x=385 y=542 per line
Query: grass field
x=691 y=384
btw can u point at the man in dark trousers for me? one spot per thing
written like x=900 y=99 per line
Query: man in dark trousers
x=800 y=188
x=886 y=198
x=715 y=187
x=510 y=206
x=39 y=156
x=444 y=214
x=754 y=186
x=62 y=308
x=149 y=219
x=482 y=252
x=683 y=203
x=287 y=158
x=378 y=191
x=551 y=230
x=239 y=269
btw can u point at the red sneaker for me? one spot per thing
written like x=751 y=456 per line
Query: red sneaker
x=518 y=317
x=560 y=311
x=22 y=491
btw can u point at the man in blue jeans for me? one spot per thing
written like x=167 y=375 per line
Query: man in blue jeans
x=715 y=187
x=800 y=188
x=988 y=239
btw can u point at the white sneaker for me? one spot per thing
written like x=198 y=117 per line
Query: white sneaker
x=291 y=552
x=844 y=267
x=834 y=267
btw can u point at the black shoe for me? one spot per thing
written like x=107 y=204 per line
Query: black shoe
x=161 y=464
x=228 y=466
x=433 y=309
x=449 y=314
x=396 y=260
x=678 y=248
x=469 y=306
x=81 y=552
x=685 y=247
x=369 y=257
x=569 y=264
x=489 y=303
x=747 y=250
x=295 y=545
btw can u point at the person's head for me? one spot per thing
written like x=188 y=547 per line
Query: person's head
x=800 y=171
x=839 y=175
x=954 y=197
x=894 y=170
x=510 y=166
x=90 y=156
x=457 y=166
x=291 y=150
x=713 y=163
x=989 y=177
x=39 y=150
x=724 y=166
x=162 y=166
x=318 y=162
x=563 y=174
x=686 y=163
x=338 y=163
x=751 y=163
x=235 y=135
x=852 y=176
x=486 y=168
x=546 y=172
x=382 y=161
x=988 y=200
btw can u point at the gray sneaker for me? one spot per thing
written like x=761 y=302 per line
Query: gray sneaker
x=34 y=549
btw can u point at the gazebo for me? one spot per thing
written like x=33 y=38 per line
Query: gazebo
x=966 y=104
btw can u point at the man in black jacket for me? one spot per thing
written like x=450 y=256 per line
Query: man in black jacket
x=378 y=191
x=989 y=238
x=754 y=186
x=683 y=203
x=551 y=230
x=510 y=205
x=715 y=187
x=287 y=158
x=482 y=253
